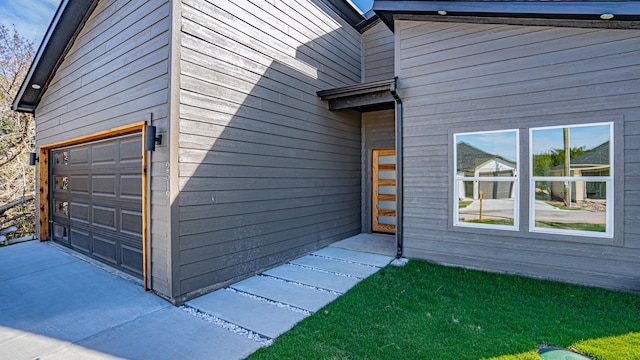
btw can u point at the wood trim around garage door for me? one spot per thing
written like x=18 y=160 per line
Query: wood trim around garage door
x=43 y=181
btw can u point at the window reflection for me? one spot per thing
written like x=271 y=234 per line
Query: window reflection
x=62 y=158
x=486 y=154
x=62 y=182
x=571 y=205
x=486 y=172
x=587 y=151
x=487 y=202
x=572 y=178
x=60 y=232
x=62 y=207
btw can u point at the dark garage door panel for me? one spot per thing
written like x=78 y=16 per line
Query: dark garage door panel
x=97 y=200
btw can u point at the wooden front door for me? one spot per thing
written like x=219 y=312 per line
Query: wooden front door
x=384 y=190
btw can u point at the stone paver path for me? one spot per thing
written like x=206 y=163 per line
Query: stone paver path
x=266 y=305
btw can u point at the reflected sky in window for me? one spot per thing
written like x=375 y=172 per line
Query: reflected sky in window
x=502 y=143
x=589 y=137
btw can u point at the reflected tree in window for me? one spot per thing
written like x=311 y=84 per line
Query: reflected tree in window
x=571 y=177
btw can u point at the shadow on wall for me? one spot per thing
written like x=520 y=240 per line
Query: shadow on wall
x=267 y=173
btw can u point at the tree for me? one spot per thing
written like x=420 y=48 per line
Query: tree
x=542 y=163
x=17 y=131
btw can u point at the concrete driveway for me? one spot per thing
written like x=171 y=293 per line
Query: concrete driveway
x=503 y=209
x=56 y=305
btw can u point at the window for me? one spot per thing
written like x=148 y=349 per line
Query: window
x=486 y=179
x=571 y=184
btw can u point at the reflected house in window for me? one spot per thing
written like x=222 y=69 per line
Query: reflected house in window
x=594 y=162
x=473 y=162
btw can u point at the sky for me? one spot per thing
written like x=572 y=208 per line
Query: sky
x=588 y=137
x=30 y=17
x=503 y=143
x=364 y=5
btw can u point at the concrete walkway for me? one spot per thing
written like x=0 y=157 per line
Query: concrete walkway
x=56 y=305
x=503 y=209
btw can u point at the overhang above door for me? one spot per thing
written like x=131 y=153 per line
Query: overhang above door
x=371 y=96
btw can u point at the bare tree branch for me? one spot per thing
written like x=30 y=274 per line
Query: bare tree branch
x=18 y=146
x=17 y=132
x=25 y=199
x=14 y=218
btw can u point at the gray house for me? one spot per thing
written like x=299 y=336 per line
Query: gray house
x=283 y=126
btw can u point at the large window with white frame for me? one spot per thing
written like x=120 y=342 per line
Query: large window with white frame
x=486 y=179
x=571 y=180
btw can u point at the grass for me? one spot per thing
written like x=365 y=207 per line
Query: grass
x=562 y=206
x=427 y=311
x=492 y=221
x=572 y=226
x=464 y=203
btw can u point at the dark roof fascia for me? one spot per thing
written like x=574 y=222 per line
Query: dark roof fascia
x=61 y=33
x=556 y=10
x=362 y=97
x=370 y=20
x=358 y=89
x=347 y=12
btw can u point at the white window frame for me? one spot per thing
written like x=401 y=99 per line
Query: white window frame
x=609 y=180
x=514 y=179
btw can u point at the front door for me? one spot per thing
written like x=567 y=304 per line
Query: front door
x=384 y=190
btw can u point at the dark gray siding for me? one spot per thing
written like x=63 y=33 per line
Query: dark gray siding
x=115 y=74
x=378 y=132
x=475 y=77
x=266 y=171
x=377 y=53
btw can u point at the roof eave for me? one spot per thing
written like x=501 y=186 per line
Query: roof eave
x=362 y=97
x=590 y=10
x=348 y=12
x=61 y=33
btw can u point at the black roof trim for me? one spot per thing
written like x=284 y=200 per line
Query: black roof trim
x=347 y=12
x=371 y=19
x=67 y=22
x=363 y=97
x=63 y=29
x=357 y=89
x=562 y=9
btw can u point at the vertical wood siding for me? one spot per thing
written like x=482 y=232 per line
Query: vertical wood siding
x=377 y=53
x=474 y=77
x=267 y=173
x=378 y=132
x=115 y=74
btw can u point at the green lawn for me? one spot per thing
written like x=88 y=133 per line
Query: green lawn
x=561 y=206
x=427 y=311
x=492 y=221
x=572 y=226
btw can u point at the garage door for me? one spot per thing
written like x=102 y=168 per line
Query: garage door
x=96 y=200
